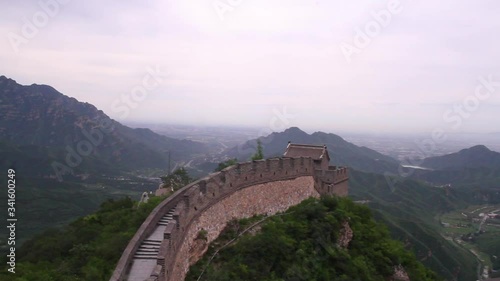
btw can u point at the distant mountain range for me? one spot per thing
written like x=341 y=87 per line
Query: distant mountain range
x=341 y=152
x=409 y=209
x=40 y=126
x=474 y=157
x=476 y=169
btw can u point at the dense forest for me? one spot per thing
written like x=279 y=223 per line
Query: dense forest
x=301 y=244
x=304 y=244
x=86 y=249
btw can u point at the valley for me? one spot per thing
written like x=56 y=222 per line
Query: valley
x=46 y=203
x=476 y=228
x=434 y=211
x=138 y=139
x=411 y=146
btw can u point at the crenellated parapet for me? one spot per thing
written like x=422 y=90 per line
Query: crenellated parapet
x=334 y=181
x=296 y=177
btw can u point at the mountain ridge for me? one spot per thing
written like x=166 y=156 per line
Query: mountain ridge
x=472 y=157
x=342 y=152
x=39 y=115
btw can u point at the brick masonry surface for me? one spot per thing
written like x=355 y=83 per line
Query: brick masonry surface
x=269 y=198
x=257 y=187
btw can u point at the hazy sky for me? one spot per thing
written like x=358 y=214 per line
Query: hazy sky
x=269 y=64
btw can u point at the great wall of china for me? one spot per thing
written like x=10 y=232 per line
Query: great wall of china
x=164 y=246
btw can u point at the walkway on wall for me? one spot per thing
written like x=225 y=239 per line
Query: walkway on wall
x=144 y=260
x=277 y=184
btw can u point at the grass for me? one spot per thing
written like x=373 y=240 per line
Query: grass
x=488 y=238
x=46 y=203
x=412 y=211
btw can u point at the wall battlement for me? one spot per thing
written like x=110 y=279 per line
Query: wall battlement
x=249 y=179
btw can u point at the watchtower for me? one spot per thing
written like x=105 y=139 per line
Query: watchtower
x=329 y=179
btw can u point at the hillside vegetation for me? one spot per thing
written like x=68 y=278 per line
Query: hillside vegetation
x=342 y=152
x=310 y=242
x=48 y=203
x=474 y=157
x=410 y=209
x=39 y=123
x=86 y=249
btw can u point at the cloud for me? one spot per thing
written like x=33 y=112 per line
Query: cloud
x=264 y=54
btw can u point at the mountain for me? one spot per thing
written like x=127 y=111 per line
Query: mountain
x=341 y=152
x=300 y=244
x=474 y=157
x=319 y=239
x=410 y=209
x=475 y=171
x=76 y=135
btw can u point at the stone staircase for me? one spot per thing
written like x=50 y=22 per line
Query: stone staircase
x=149 y=248
x=145 y=257
x=167 y=217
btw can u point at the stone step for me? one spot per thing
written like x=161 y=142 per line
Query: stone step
x=147 y=252
x=151 y=251
x=145 y=257
x=150 y=246
x=152 y=255
x=147 y=246
x=141 y=249
x=167 y=217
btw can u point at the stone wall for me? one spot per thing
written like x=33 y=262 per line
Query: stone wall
x=262 y=186
x=268 y=198
x=334 y=180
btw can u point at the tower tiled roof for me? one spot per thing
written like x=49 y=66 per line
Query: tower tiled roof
x=316 y=152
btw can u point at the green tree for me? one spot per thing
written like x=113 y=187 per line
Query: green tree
x=86 y=249
x=259 y=154
x=226 y=164
x=302 y=244
x=178 y=179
